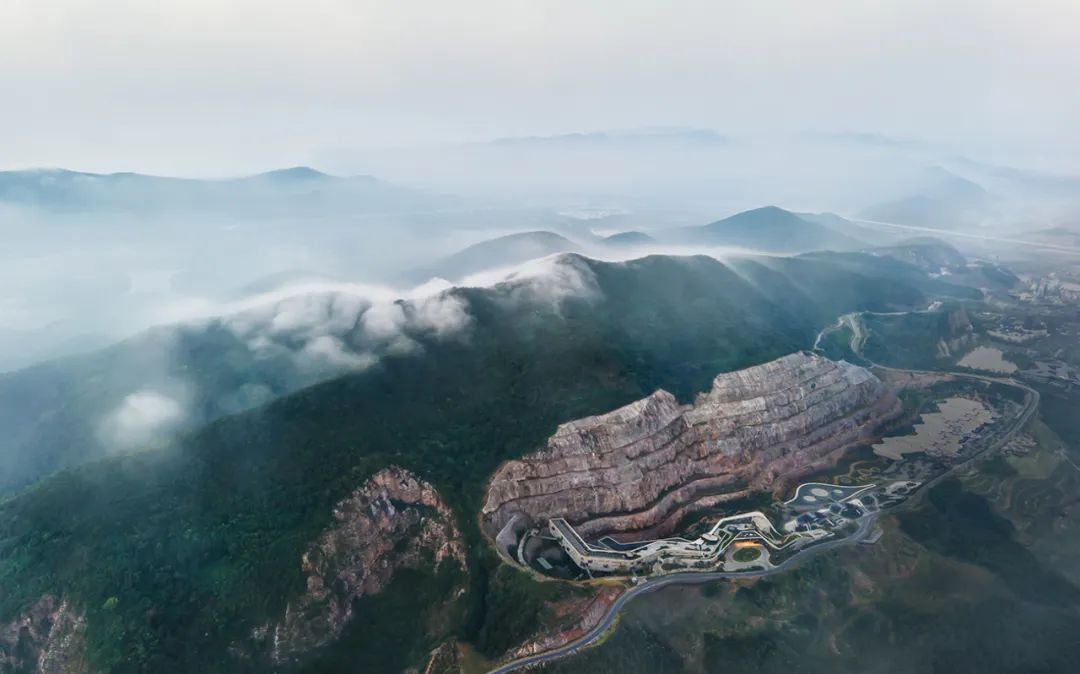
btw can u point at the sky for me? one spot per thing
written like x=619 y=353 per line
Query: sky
x=221 y=87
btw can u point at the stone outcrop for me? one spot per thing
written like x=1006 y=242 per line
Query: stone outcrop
x=393 y=521
x=641 y=467
x=957 y=333
x=47 y=638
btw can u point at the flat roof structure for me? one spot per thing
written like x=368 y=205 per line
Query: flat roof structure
x=814 y=495
x=564 y=532
x=707 y=550
x=749 y=528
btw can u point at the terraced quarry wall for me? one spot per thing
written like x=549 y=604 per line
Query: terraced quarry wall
x=642 y=466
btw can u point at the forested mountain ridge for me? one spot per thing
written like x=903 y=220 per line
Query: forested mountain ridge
x=203 y=538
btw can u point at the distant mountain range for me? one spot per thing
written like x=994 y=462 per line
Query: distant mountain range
x=944 y=200
x=769 y=229
x=20 y=348
x=292 y=190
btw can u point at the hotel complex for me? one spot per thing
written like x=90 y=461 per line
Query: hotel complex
x=649 y=556
x=829 y=506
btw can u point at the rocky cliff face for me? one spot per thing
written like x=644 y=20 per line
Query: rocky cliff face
x=957 y=333
x=642 y=466
x=47 y=638
x=393 y=521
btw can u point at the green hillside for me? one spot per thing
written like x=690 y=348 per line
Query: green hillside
x=52 y=413
x=199 y=542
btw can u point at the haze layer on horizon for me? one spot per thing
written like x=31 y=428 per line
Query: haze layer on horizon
x=210 y=88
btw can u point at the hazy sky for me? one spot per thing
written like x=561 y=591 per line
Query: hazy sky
x=212 y=87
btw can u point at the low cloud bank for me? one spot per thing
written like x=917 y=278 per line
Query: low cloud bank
x=328 y=327
x=294 y=336
x=334 y=327
x=548 y=280
x=141 y=420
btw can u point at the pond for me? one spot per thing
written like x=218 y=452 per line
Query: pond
x=938 y=433
x=987 y=358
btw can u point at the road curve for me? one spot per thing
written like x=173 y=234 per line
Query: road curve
x=681 y=578
x=696 y=577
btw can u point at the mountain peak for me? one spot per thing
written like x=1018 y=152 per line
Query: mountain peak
x=631 y=238
x=294 y=173
x=765 y=216
x=773 y=229
x=764 y=211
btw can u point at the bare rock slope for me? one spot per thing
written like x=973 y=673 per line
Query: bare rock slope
x=641 y=467
x=47 y=638
x=392 y=521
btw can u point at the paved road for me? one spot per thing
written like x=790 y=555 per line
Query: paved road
x=695 y=577
x=681 y=578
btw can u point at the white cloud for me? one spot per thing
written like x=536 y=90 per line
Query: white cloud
x=443 y=314
x=333 y=327
x=383 y=321
x=195 y=308
x=337 y=326
x=326 y=329
x=327 y=352
x=329 y=329
x=551 y=279
x=141 y=419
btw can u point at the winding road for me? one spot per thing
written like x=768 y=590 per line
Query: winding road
x=697 y=577
x=681 y=578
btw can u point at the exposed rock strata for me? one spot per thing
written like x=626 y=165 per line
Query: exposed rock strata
x=393 y=521
x=957 y=333
x=642 y=466
x=47 y=638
